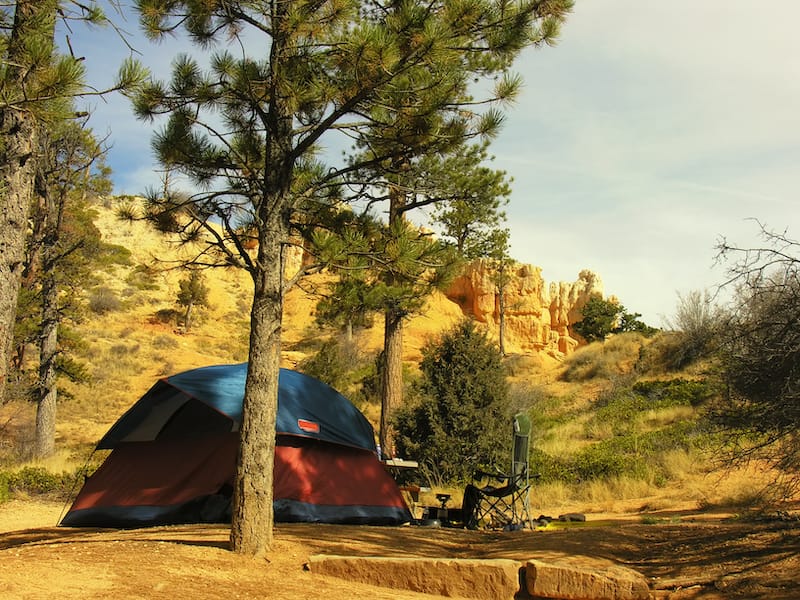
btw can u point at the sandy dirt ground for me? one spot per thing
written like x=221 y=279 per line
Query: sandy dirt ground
x=683 y=555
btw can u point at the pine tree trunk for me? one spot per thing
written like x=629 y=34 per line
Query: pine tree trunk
x=349 y=331
x=18 y=142
x=51 y=210
x=253 y=516
x=252 y=520
x=187 y=317
x=392 y=379
x=502 y=310
x=45 y=438
x=17 y=139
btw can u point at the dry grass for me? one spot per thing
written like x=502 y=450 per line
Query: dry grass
x=616 y=356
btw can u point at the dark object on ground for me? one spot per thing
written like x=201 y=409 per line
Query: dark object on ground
x=572 y=517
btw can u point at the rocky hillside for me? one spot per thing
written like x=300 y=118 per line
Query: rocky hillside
x=538 y=314
x=134 y=335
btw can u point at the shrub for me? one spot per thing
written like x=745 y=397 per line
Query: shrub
x=698 y=323
x=164 y=341
x=103 y=300
x=600 y=461
x=665 y=353
x=600 y=318
x=5 y=492
x=617 y=356
x=143 y=278
x=168 y=316
x=113 y=254
x=37 y=481
x=461 y=419
x=675 y=392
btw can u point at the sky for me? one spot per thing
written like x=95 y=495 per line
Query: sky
x=647 y=134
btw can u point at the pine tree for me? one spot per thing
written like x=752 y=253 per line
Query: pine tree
x=476 y=197
x=459 y=422
x=35 y=81
x=193 y=292
x=246 y=133
x=27 y=59
x=64 y=176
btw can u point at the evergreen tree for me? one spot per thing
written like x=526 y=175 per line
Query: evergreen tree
x=34 y=82
x=497 y=253
x=474 y=197
x=600 y=318
x=193 y=292
x=393 y=76
x=65 y=174
x=460 y=421
x=27 y=63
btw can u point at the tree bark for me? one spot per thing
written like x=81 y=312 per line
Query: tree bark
x=392 y=378
x=45 y=439
x=253 y=516
x=18 y=135
x=187 y=316
x=501 y=301
x=252 y=519
x=52 y=210
x=18 y=142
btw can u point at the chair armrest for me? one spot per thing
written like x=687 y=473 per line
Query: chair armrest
x=495 y=474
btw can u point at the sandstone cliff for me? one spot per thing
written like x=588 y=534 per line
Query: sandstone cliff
x=537 y=316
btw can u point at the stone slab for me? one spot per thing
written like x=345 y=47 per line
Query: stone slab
x=562 y=581
x=495 y=579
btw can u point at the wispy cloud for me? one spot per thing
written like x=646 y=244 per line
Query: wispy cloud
x=651 y=130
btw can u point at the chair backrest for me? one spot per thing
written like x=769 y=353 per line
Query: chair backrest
x=522 y=437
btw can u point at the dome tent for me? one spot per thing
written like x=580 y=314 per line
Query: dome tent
x=173 y=457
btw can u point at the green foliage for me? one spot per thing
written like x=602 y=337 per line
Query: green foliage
x=629 y=431
x=623 y=406
x=73 y=369
x=598 y=319
x=352 y=301
x=193 y=292
x=601 y=318
x=600 y=461
x=37 y=481
x=635 y=454
x=475 y=197
x=114 y=254
x=143 y=278
x=461 y=419
x=338 y=363
x=395 y=78
x=675 y=392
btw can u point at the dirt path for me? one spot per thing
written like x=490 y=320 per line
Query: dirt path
x=682 y=555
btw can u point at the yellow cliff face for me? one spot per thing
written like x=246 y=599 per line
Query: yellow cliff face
x=537 y=316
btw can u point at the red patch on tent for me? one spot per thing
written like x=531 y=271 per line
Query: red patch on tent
x=308 y=426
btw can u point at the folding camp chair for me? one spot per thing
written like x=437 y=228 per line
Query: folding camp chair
x=506 y=505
